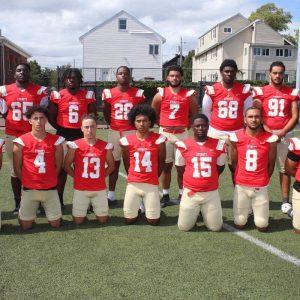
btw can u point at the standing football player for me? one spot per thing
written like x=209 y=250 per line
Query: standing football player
x=279 y=105
x=293 y=169
x=67 y=107
x=144 y=155
x=202 y=160
x=15 y=99
x=253 y=153
x=89 y=160
x=174 y=106
x=225 y=102
x=117 y=103
x=37 y=159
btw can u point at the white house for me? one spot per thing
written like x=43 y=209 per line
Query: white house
x=253 y=45
x=122 y=40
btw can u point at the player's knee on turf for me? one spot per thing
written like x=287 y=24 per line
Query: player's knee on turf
x=130 y=221
x=26 y=225
x=102 y=219
x=216 y=226
x=261 y=223
x=240 y=220
x=153 y=222
x=79 y=220
x=55 y=223
x=185 y=226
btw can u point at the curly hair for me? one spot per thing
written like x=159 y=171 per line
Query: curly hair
x=36 y=108
x=144 y=110
x=70 y=71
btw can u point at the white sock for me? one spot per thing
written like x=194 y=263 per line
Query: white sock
x=111 y=195
x=180 y=191
x=166 y=192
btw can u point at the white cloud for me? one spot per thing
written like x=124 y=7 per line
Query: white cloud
x=50 y=30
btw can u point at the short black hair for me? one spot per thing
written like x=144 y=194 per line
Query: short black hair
x=175 y=68
x=75 y=71
x=277 y=64
x=252 y=107
x=36 y=108
x=27 y=65
x=200 y=116
x=142 y=109
x=125 y=67
x=228 y=63
x=89 y=117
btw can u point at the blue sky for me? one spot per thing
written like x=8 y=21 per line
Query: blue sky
x=49 y=30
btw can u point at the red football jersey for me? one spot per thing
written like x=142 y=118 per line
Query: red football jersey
x=276 y=104
x=228 y=105
x=18 y=101
x=121 y=103
x=71 y=108
x=253 y=158
x=89 y=164
x=143 y=157
x=295 y=148
x=39 y=170
x=201 y=160
x=174 y=108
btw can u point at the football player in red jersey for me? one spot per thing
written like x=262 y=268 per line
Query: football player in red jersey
x=89 y=160
x=143 y=156
x=253 y=153
x=225 y=102
x=202 y=160
x=67 y=108
x=37 y=158
x=117 y=103
x=293 y=169
x=279 y=105
x=15 y=99
x=174 y=107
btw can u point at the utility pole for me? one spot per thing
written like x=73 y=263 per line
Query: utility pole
x=180 y=52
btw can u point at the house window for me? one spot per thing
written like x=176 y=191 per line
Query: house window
x=287 y=52
x=214 y=52
x=122 y=24
x=153 y=49
x=256 y=51
x=279 y=52
x=260 y=76
x=265 y=52
x=227 y=29
x=213 y=34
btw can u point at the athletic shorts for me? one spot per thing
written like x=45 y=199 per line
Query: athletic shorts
x=83 y=199
x=209 y=203
x=296 y=209
x=248 y=197
x=135 y=193
x=282 y=151
x=70 y=134
x=172 y=138
x=31 y=200
x=114 y=137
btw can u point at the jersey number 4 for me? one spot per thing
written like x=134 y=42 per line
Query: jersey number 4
x=202 y=166
x=39 y=162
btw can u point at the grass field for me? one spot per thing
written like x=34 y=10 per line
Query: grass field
x=144 y=262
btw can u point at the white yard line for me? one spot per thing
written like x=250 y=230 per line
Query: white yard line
x=267 y=247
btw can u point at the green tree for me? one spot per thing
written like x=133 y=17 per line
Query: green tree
x=188 y=66
x=275 y=17
x=293 y=38
x=36 y=72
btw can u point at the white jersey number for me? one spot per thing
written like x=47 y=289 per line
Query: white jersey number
x=276 y=107
x=202 y=166
x=174 y=107
x=146 y=161
x=228 y=109
x=39 y=162
x=122 y=110
x=251 y=160
x=19 y=109
x=73 y=114
x=91 y=160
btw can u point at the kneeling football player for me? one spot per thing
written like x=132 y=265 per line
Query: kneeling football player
x=143 y=154
x=203 y=160
x=89 y=160
x=37 y=160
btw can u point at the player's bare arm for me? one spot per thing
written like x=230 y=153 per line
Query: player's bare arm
x=193 y=107
x=234 y=155
x=110 y=163
x=126 y=159
x=52 y=108
x=18 y=160
x=92 y=108
x=272 y=158
x=68 y=162
x=161 y=157
x=156 y=103
x=59 y=157
x=291 y=167
x=292 y=122
x=106 y=112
